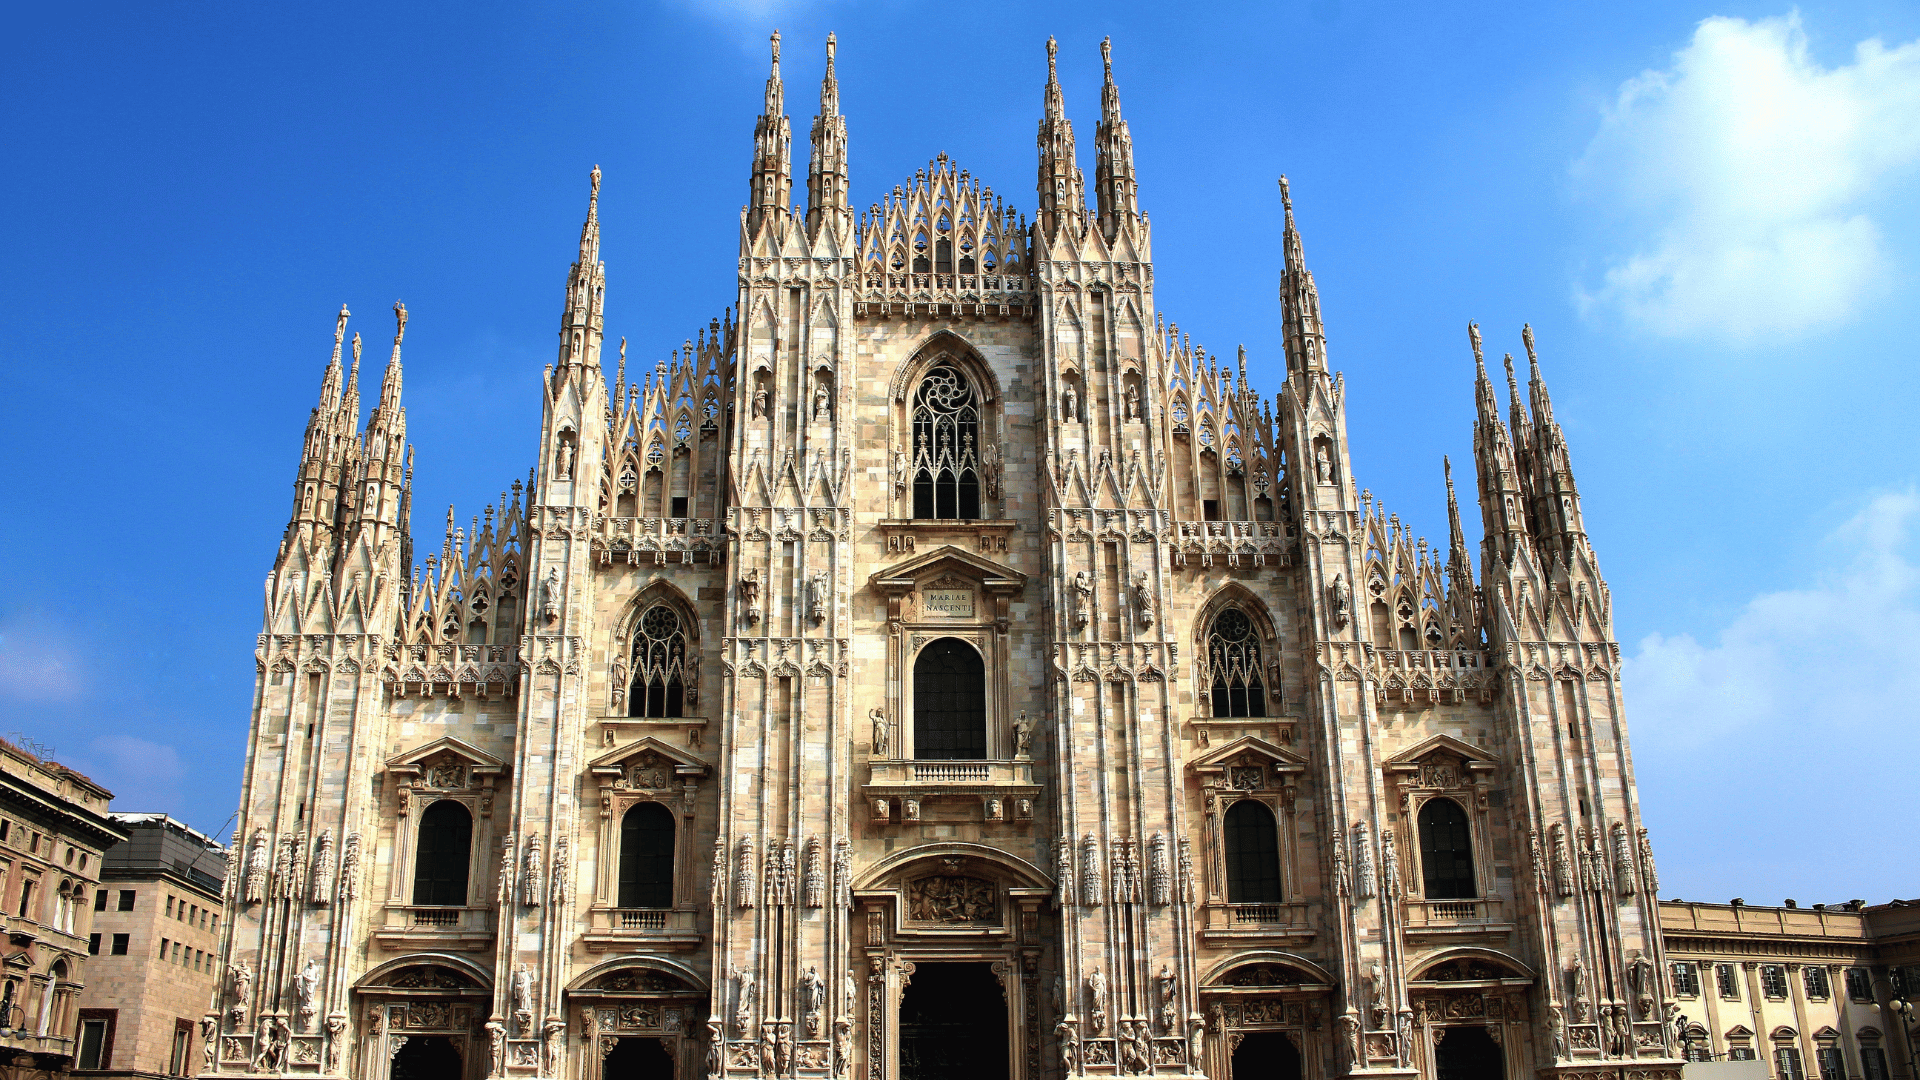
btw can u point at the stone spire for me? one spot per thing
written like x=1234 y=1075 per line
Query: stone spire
x=1063 y=196
x=1556 y=498
x=1115 y=187
x=330 y=382
x=772 y=153
x=582 y=320
x=1299 y=298
x=1503 y=496
x=827 y=169
x=390 y=382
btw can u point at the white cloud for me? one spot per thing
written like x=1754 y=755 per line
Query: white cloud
x=1746 y=176
x=37 y=663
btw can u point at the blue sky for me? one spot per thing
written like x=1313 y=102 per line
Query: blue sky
x=1706 y=211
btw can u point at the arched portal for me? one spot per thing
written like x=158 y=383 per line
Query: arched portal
x=637 y=1058
x=1266 y=1055
x=953 y=1024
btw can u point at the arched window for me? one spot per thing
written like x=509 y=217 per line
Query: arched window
x=950 y=702
x=646 y=857
x=1446 y=851
x=1233 y=659
x=1253 y=854
x=440 y=861
x=946 y=446
x=659 y=662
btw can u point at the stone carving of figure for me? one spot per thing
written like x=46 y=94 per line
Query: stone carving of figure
x=715 y=1036
x=750 y=594
x=1163 y=985
x=551 y=1035
x=783 y=1049
x=1557 y=1028
x=1133 y=403
x=1069 y=1048
x=842 y=1046
x=1582 y=1005
x=305 y=985
x=990 y=468
x=209 y=1039
x=1022 y=735
x=523 y=999
x=743 y=1004
x=241 y=976
x=1322 y=465
x=900 y=470
x=1143 y=599
x=257 y=868
x=273 y=1039
x=882 y=732
x=564 y=458
x=813 y=1000
x=817 y=597
x=1133 y=1053
x=1362 y=862
x=1069 y=404
x=336 y=1025
x=1196 y=1042
x=497 y=1047
x=1640 y=977
x=550 y=594
x=821 y=402
x=1646 y=865
x=759 y=402
x=1082 y=599
x=1342 y=602
x=1097 y=1000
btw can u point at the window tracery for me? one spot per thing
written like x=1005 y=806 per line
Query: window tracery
x=946 y=446
x=659 y=664
x=1233 y=663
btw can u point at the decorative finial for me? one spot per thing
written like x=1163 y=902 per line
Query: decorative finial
x=776 y=50
x=340 y=329
x=400 y=318
x=1513 y=384
x=1286 y=196
x=830 y=46
x=1473 y=335
x=1446 y=465
x=594 y=178
x=1053 y=50
x=1526 y=335
x=356 y=359
x=1106 y=56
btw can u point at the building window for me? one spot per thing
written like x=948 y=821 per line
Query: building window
x=1446 y=851
x=1859 y=984
x=1873 y=1063
x=1686 y=980
x=1739 y=1052
x=679 y=507
x=1832 y=1065
x=1233 y=664
x=169 y=907
x=446 y=845
x=646 y=857
x=100 y=900
x=120 y=944
x=1786 y=1064
x=1727 y=980
x=1253 y=854
x=165 y=944
x=946 y=446
x=1815 y=978
x=126 y=899
x=182 y=1045
x=93 y=944
x=26 y=897
x=1773 y=981
x=659 y=664
x=93 y=1044
x=949 y=702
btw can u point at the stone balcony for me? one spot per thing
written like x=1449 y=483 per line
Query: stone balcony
x=1236 y=545
x=1454 y=918
x=1422 y=678
x=455 y=929
x=943 y=295
x=630 y=930
x=1227 y=924
x=980 y=790
x=655 y=540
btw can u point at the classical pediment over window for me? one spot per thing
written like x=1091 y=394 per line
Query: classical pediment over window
x=1249 y=764
x=948 y=572
x=647 y=765
x=1442 y=763
x=448 y=766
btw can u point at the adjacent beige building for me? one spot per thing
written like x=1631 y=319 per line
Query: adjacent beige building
x=54 y=826
x=1808 y=990
x=156 y=925
x=939 y=665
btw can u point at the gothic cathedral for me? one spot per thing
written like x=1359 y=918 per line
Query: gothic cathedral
x=939 y=668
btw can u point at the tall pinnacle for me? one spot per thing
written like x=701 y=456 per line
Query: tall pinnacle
x=827 y=168
x=772 y=150
x=1299 y=297
x=1114 y=184
x=390 y=383
x=330 y=382
x=581 y=318
x=1063 y=197
x=776 y=93
x=829 y=83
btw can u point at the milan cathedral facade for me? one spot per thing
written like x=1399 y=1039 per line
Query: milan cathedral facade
x=938 y=667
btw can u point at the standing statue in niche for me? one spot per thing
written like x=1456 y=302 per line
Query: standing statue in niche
x=1097 y=1000
x=990 y=468
x=551 y=1033
x=1133 y=403
x=1069 y=404
x=882 y=733
x=750 y=595
x=305 y=985
x=1164 y=987
x=1082 y=599
x=1342 y=602
x=1069 y=1048
x=550 y=594
x=1322 y=464
x=496 y=1047
x=822 y=402
x=813 y=1000
x=563 y=459
x=759 y=403
x=1143 y=599
x=1022 y=736
x=523 y=999
x=817 y=597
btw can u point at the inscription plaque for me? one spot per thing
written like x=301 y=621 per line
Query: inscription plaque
x=948 y=603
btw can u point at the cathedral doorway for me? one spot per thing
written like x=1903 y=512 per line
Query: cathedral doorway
x=1467 y=1053
x=427 y=1057
x=953 y=1024
x=1266 y=1055
x=634 y=1058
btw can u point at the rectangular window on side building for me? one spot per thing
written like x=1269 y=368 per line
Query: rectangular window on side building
x=120 y=944
x=1686 y=980
x=1786 y=1064
x=182 y=1039
x=1818 y=988
x=93 y=944
x=1859 y=984
x=100 y=900
x=93 y=1041
x=165 y=944
x=1727 y=981
x=1873 y=1063
x=1773 y=983
x=169 y=907
x=126 y=899
x=1832 y=1065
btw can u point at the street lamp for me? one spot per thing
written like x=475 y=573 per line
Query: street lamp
x=1903 y=1009
x=1685 y=1034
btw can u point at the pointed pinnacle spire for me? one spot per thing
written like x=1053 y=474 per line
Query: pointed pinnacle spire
x=1457 y=537
x=776 y=93
x=390 y=384
x=1056 y=103
x=1513 y=400
x=830 y=83
x=330 y=380
x=1537 y=386
x=339 y=332
x=1106 y=57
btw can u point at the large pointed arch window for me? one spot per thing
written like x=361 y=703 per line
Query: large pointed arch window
x=946 y=446
x=1233 y=661
x=950 y=702
x=646 y=857
x=1253 y=854
x=659 y=664
x=441 y=860
x=1446 y=851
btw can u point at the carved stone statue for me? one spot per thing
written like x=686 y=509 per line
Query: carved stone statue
x=550 y=594
x=1342 y=602
x=1069 y=404
x=817 y=597
x=1133 y=1048
x=1097 y=1000
x=241 y=978
x=1133 y=403
x=990 y=468
x=822 y=402
x=306 y=985
x=552 y=1034
x=882 y=733
x=1143 y=599
x=257 y=868
x=496 y=1047
x=1163 y=985
x=750 y=594
x=813 y=1000
x=901 y=470
x=523 y=999
x=1322 y=465
x=842 y=1046
x=336 y=1026
x=1069 y=1048
x=563 y=458
x=759 y=402
x=1082 y=599
x=1196 y=1042
x=1022 y=736
x=743 y=1004
x=1557 y=1029
x=209 y=1040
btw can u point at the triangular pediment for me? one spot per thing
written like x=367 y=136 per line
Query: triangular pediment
x=1739 y=1031
x=1476 y=757
x=616 y=762
x=413 y=762
x=948 y=558
x=1248 y=749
